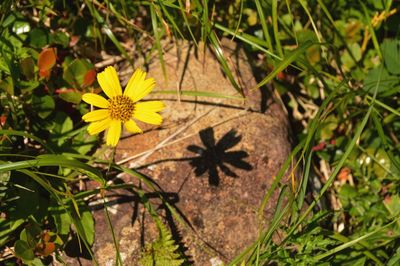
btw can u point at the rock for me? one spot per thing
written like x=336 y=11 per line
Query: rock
x=214 y=161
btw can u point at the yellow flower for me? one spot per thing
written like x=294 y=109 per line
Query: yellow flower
x=121 y=108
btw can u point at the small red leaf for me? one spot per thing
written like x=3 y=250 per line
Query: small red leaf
x=3 y=120
x=44 y=73
x=74 y=40
x=90 y=77
x=319 y=146
x=46 y=61
x=344 y=174
x=59 y=91
x=46 y=248
x=46 y=237
x=281 y=76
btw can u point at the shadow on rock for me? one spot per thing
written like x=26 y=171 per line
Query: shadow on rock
x=159 y=201
x=76 y=249
x=215 y=155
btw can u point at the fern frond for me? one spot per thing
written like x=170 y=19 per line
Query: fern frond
x=163 y=251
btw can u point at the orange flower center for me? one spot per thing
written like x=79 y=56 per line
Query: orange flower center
x=121 y=108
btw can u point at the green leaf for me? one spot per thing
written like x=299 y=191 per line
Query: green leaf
x=71 y=97
x=7 y=85
x=381 y=75
x=62 y=220
x=83 y=142
x=27 y=66
x=38 y=37
x=287 y=60
x=63 y=123
x=348 y=191
x=382 y=164
x=75 y=72
x=350 y=60
x=27 y=202
x=28 y=86
x=87 y=223
x=30 y=234
x=60 y=38
x=34 y=262
x=393 y=204
x=21 y=27
x=328 y=127
x=9 y=20
x=23 y=251
x=44 y=105
x=391 y=55
x=8 y=226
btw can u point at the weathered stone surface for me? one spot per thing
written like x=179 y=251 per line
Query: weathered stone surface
x=217 y=158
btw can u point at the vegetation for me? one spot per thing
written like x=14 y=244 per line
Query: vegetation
x=335 y=64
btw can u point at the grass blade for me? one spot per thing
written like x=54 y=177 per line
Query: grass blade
x=200 y=94
x=371 y=30
x=339 y=165
x=187 y=24
x=54 y=160
x=275 y=27
x=290 y=58
x=249 y=39
x=304 y=5
x=221 y=58
x=264 y=25
x=157 y=36
x=354 y=241
x=25 y=135
x=302 y=188
x=77 y=223
x=239 y=20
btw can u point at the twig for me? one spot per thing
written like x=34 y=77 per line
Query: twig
x=109 y=61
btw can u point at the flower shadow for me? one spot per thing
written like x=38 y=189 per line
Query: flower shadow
x=215 y=156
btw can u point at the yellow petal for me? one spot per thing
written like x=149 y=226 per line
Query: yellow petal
x=132 y=127
x=138 y=87
x=146 y=112
x=114 y=133
x=150 y=118
x=145 y=88
x=134 y=82
x=96 y=115
x=98 y=126
x=109 y=82
x=150 y=106
x=95 y=100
